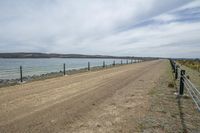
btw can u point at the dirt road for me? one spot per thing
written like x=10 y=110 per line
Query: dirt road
x=110 y=100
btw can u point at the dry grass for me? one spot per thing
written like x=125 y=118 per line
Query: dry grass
x=193 y=64
x=169 y=113
x=193 y=75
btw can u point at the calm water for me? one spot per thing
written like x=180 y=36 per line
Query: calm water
x=9 y=68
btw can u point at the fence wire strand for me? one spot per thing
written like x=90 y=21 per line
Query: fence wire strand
x=192 y=90
x=196 y=95
x=197 y=104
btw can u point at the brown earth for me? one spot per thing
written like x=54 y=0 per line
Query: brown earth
x=110 y=100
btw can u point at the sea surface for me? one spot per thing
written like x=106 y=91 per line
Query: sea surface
x=10 y=68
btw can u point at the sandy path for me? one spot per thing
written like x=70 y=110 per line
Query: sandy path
x=109 y=100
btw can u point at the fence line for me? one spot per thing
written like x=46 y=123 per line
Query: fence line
x=26 y=71
x=194 y=96
x=186 y=83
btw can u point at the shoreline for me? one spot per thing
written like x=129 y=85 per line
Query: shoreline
x=27 y=79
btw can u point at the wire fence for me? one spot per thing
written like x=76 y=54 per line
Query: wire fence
x=26 y=72
x=14 y=73
x=192 y=90
x=185 y=83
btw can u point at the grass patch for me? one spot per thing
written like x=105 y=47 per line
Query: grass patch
x=193 y=64
x=171 y=85
x=167 y=112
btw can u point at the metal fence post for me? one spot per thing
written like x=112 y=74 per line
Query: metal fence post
x=181 y=91
x=21 y=79
x=64 y=68
x=88 y=66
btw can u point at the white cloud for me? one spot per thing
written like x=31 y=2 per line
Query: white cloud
x=94 y=26
x=165 y=17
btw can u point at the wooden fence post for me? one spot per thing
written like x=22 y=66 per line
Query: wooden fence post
x=104 y=64
x=21 y=78
x=181 y=91
x=64 y=68
x=121 y=62
x=88 y=66
x=176 y=72
x=113 y=63
x=173 y=66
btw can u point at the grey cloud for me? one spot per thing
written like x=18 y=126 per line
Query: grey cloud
x=119 y=27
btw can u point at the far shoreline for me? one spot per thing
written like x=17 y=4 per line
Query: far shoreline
x=35 y=55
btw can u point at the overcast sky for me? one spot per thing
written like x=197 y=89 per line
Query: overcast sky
x=164 y=28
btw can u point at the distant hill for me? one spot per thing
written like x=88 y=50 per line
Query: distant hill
x=52 y=55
